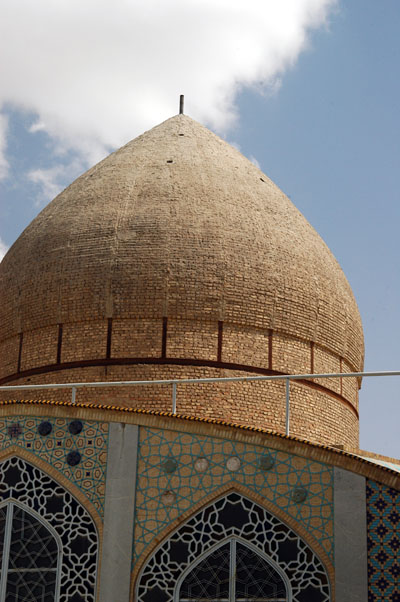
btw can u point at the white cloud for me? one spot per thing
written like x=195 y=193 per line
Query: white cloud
x=250 y=158
x=52 y=180
x=3 y=146
x=254 y=161
x=3 y=249
x=48 y=182
x=235 y=145
x=97 y=73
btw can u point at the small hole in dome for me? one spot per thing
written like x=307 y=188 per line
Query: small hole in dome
x=169 y=161
x=181 y=134
x=262 y=180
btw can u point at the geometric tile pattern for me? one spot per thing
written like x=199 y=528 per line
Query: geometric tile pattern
x=177 y=470
x=383 y=541
x=25 y=484
x=233 y=517
x=91 y=443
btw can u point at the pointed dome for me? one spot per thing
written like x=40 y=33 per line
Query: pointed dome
x=176 y=251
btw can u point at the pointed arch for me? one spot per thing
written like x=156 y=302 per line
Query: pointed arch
x=275 y=580
x=250 y=494
x=233 y=515
x=20 y=452
x=35 y=515
x=31 y=553
x=31 y=487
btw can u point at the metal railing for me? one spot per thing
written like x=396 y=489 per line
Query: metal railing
x=185 y=381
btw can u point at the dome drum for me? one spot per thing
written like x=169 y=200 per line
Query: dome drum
x=315 y=414
x=176 y=256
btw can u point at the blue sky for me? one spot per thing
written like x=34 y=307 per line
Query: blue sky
x=331 y=140
x=324 y=126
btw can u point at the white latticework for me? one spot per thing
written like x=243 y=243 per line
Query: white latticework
x=233 y=572
x=233 y=550
x=35 y=562
x=30 y=555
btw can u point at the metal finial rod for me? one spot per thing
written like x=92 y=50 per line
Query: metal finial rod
x=181 y=104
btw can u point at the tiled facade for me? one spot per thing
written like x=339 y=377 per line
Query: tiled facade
x=183 y=470
x=383 y=518
x=91 y=443
x=169 y=462
x=177 y=258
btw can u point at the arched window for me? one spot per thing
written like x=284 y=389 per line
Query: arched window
x=233 y=550
x=30 y=556
x=232 y=572
x=39 y=519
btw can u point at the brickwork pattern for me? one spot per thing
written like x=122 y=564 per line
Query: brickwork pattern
x=314 y=416
x=83 y=341
x=167 y=467
x=9 y=353
x=178 y=225
x=349 y=385
x=248 y=346
x=192 y=339
x=39 y=347
x=91 y=443
x=383 y=524
x=136 y=338
x=325 y=362
x=185 y=339
x=291 y=355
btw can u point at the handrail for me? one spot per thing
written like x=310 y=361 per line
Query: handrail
x=184 y=381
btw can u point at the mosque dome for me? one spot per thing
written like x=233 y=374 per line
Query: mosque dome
x=176 y=257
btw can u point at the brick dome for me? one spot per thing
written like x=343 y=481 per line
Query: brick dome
x=174 y=257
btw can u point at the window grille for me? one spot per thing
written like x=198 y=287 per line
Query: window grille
x=233 y=572
x=28 y=488
x=211 y=555
x=29 y=555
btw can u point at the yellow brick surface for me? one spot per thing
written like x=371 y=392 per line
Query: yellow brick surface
x=325 y=362
x=177 y=247
x=245 y=345
x=314 y=415
x=290 y=355
x=39 y=347
x=9 y=351
x=192 y=339
x=136 y=338
x=83 y=341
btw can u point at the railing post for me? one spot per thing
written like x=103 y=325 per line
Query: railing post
x=73 y=396
x=287 y=383
x=174 y=398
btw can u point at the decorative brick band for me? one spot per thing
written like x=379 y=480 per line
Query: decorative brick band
x=21 y=338
x=164 y=338
x=109 y=338
x=59 y=343
x=220 y=340
x=177 y=362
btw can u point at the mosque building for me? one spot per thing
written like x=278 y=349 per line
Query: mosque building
x=176 y=259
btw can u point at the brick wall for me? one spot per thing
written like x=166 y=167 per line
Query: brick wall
x=177 y=251
x=314 y=415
